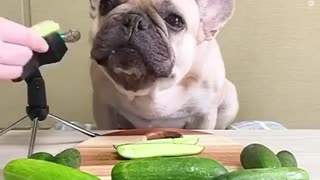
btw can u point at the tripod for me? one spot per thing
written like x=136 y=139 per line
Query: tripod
x=38 y=109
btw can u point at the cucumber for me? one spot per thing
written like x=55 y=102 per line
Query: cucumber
x=285 y=173
x=135 y=151
x=70 y=157
x=43 y=156
x=183 y=140
x=287 y=159
x=168 y=168
x=32 y=169
x=45 y=28
x=258 y=156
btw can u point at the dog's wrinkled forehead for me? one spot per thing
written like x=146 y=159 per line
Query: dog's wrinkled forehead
x=212 y=14
x=157 y=10
x=103 y=7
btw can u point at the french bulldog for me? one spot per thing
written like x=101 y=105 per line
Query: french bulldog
x=157 y=64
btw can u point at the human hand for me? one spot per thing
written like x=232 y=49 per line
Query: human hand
x=17 y=44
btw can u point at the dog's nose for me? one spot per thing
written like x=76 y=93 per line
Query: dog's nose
x=136 y=22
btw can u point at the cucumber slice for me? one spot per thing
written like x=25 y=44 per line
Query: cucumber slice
x=136 y=151
x=184 y=140
x=46 y=27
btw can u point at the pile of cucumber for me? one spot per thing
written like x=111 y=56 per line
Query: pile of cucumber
x=261 y=163
x=162 y=159
x=69 y=157
x=174 y=159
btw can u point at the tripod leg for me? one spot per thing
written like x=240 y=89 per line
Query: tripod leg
x=4 y=131
x=33 y=137
x=67 y=123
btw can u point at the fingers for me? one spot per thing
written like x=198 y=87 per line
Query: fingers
x=10 y=72
x=14 y=33
x=14 y=55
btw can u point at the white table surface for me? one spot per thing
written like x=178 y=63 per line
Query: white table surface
x=305 y=144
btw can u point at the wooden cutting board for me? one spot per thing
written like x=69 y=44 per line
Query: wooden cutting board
x=99 y=156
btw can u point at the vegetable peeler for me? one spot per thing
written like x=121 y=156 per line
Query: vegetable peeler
x=37 y=108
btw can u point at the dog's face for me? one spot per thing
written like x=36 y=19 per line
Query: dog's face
x=145 y=44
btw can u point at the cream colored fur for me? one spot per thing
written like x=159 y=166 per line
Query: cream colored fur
x=200 y=97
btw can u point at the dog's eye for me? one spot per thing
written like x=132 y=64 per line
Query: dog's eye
x=176 y=22
x=107 y=5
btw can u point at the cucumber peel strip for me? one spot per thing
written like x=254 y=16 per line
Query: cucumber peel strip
x=183 y=140
x=138 y=151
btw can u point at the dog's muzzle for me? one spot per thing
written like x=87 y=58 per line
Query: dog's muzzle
x=132 y=48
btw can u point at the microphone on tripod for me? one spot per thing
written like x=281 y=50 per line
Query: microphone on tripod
x=37 y=108
x=57 y=50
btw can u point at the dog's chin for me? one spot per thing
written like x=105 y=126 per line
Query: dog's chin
x=126 y=68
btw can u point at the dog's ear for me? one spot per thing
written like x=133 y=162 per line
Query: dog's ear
x=214 y=15
x=94 y=8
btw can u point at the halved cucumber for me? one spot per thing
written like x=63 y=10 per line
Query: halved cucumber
x=135 y=151
x=183 y=140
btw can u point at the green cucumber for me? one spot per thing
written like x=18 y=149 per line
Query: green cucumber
x=70 y=157
x=183 y=140
x=46 y=27
x=285 y=173
x=32 y=169
x=42 y=156
x=287 y=159
x=258 y=156
x=135 y=151
x=174 y=168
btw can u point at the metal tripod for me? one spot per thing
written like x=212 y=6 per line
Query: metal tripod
x=38 y=110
